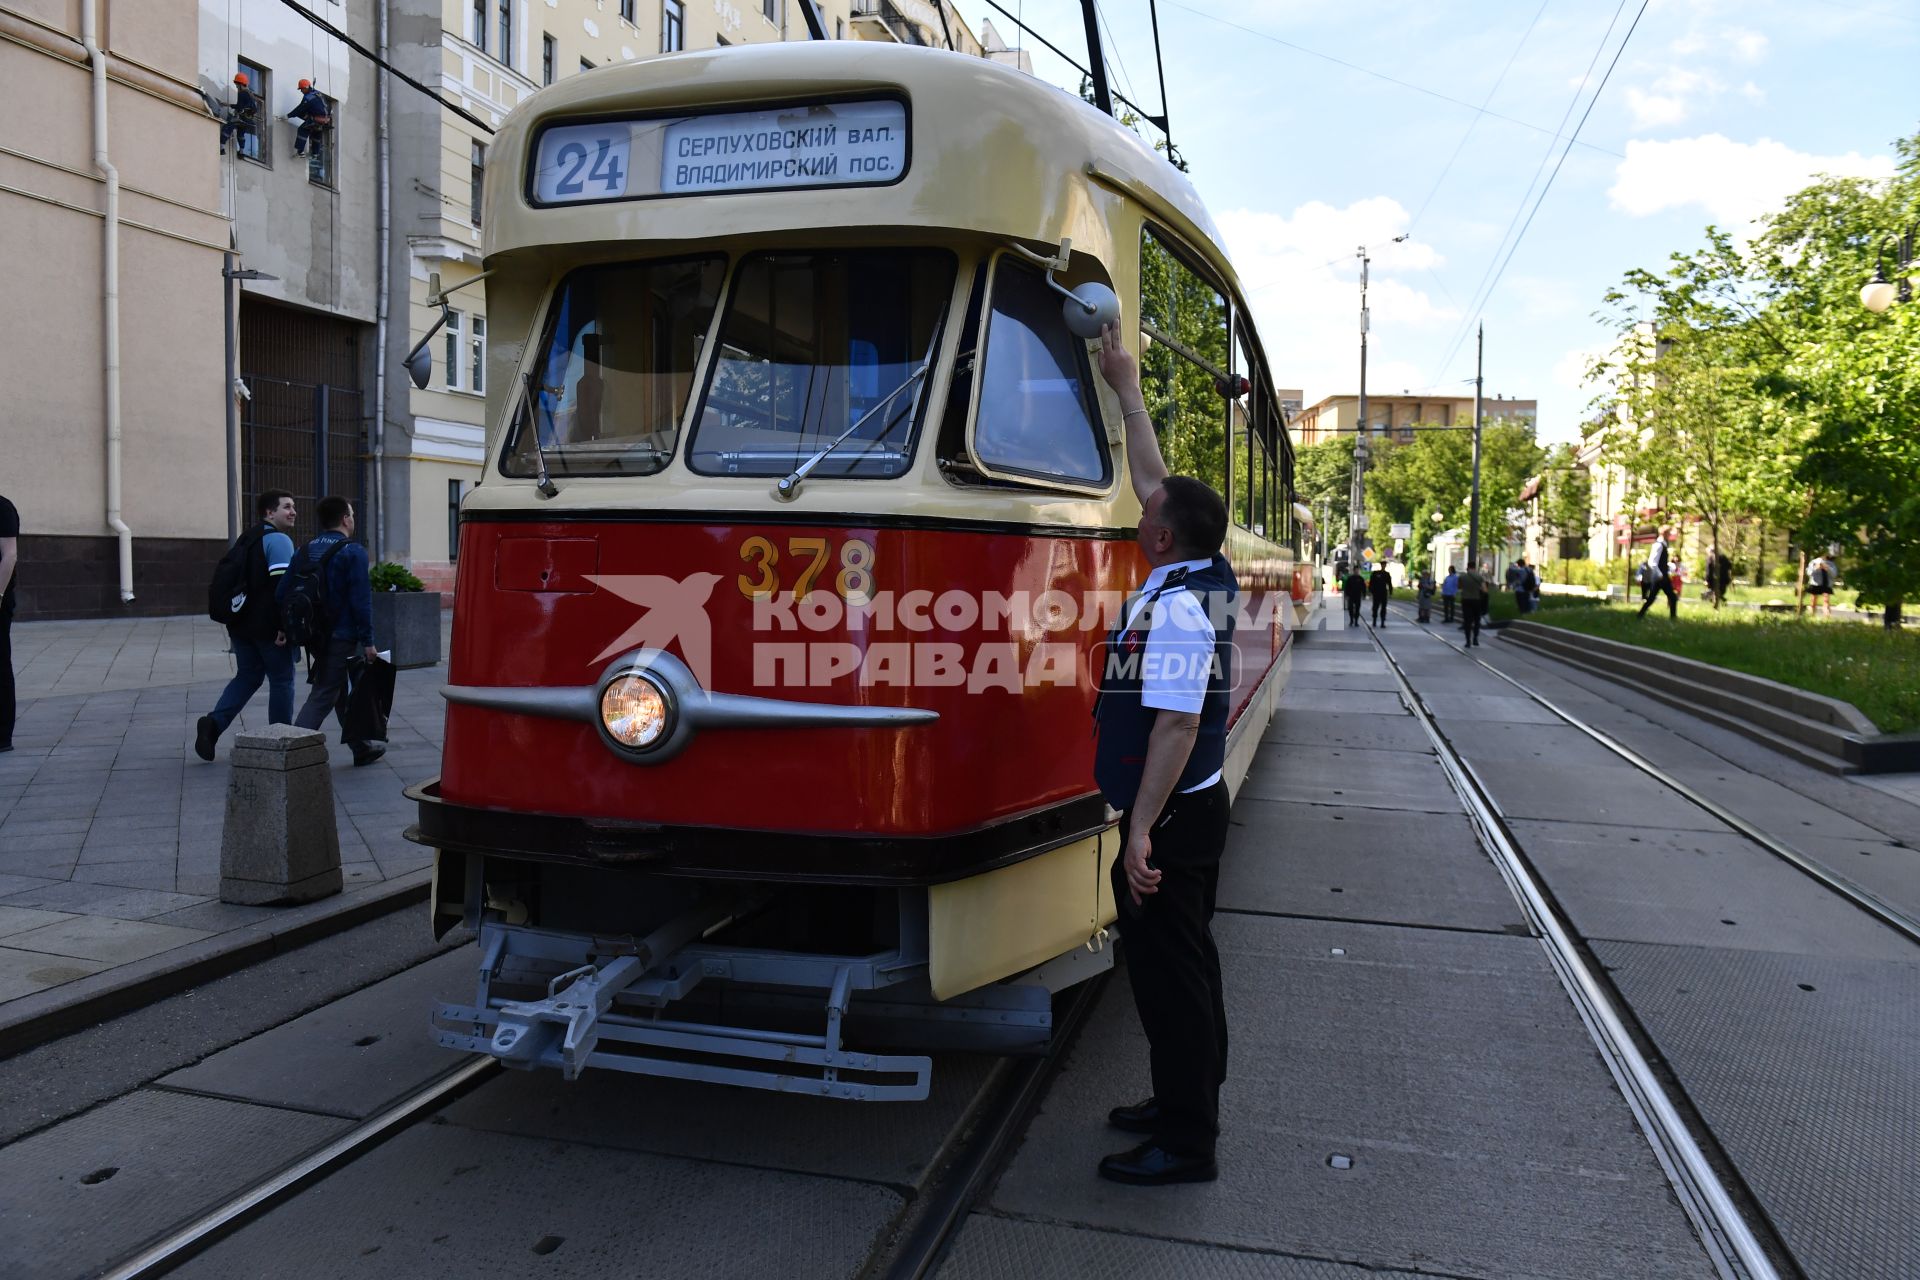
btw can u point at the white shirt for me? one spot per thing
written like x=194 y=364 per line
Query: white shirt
x=1178 y=658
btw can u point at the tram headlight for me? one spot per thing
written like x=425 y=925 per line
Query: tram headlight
x=635 y=711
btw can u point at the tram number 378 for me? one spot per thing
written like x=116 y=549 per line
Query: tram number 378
x=853 y=582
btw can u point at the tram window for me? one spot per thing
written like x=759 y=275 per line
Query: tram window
x=614 y=370
x=1180 y=370
x=817 y=344
x=1037 y=415
x=1242 y=506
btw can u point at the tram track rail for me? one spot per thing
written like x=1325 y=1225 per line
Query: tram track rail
x=1902 y=922
x=181 y=1244
x=1734 y=1249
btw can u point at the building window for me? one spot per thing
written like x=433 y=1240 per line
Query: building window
x=626 y=10
x=477 y=355
x=253 y=141
x=673 y=26
x=480 y=25
x=505 y=53
x=839 y=28
x=320 y=149
x=721 y=42
x=479 y=180
x=456 y=489
x=547 y=59
x=585 y=65
x=770 y=9
x=455 y=358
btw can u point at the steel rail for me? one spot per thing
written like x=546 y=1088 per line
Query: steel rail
x=1881 y=910
x=263 y=1195
x=927 y=1239
x=1723 y=1230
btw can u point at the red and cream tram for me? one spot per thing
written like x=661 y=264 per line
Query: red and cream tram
x=768 y=745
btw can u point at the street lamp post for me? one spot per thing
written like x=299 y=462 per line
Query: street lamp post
x=231 y=271
x=1880 y=293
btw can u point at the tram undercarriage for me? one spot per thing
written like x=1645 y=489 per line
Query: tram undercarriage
x=794 y=988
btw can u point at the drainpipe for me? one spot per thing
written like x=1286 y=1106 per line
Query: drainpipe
x=109 y=292
x=383 y=275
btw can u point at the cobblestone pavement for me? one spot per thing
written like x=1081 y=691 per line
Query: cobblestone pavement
x=110 y=826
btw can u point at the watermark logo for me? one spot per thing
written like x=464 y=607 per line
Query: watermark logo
x=978 y=641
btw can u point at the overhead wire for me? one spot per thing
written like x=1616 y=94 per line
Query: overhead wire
x=1508 y=240
x=1113 y=44
x=1049 y=45
x=378 y=61
x=1368 y=71
x=1474 y=122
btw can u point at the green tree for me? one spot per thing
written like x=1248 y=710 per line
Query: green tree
x=1411 y=480
x=1323 y=477
x=1565 y=498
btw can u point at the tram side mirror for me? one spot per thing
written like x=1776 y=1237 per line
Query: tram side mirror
x=1090 y=308
x=420 y=367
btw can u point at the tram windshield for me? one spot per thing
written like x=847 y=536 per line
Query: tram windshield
x=812 y=343
x=615 y=369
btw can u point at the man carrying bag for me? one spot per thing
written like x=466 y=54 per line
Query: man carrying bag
x=326 y=604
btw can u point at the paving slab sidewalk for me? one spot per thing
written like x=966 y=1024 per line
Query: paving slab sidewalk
x=110 y=826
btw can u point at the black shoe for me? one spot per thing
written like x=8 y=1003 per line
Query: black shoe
x=1150 y=1166
x=205 y=734
x=1138 y=1118
x=368 y=756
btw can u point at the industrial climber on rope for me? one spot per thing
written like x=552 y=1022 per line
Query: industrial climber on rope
x=239 y=116
x=314 y=119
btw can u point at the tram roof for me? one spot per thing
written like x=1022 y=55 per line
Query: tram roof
x=988 y=144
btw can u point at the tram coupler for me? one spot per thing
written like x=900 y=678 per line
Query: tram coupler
x=527 y=1029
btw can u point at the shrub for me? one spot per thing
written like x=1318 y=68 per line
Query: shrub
x=1585 y=573
x=388 y=576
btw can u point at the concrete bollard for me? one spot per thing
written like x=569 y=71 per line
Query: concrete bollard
x=280 y=843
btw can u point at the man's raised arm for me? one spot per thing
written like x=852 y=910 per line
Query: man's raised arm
x=1122 y=372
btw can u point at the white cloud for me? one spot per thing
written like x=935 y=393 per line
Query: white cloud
x=1735 y=182
x=1302 y=284
x=1671 y=97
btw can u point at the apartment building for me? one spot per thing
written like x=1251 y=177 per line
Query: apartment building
x=1396 y=416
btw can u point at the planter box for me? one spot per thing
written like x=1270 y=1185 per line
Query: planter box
x=408 y=623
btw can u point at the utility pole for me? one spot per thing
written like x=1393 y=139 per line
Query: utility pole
x=230 y=271
x=1473 y=506
x=1357 y=491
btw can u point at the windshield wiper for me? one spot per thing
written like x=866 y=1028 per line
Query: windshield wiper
x=785 y=489
x=531 y=404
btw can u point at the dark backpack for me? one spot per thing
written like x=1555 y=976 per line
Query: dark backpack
x=234 y=579
x=304 y=613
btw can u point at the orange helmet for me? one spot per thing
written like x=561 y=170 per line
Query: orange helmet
x=240 y=78
x=306 y=84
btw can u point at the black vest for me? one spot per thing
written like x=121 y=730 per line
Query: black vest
x=1123 y=723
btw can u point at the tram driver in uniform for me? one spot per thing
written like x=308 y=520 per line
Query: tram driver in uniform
x=1162 y=728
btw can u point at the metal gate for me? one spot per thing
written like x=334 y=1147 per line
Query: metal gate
x=305 y=428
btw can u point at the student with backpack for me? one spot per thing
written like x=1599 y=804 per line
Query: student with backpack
x=241 y=597
x=326 y=605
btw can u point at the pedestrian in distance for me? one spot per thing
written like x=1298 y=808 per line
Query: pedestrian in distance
x=240 y=116
x=1528 y=595
x=1820 y=576
x=1426 y=595
x=242 y=597
x=1449 y=590
x=313 y=117
x=1515 y=571
x=9 y=574
x=1473 y=600
x=1380 y=587
x=1159 y=759
x=1719 y=575
x=328 y=593
x=1659 y=575
x=1355 y=591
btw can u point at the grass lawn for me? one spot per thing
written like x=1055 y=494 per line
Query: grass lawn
x=1876 y=670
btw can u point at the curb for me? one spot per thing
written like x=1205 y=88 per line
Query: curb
x=73 y=1006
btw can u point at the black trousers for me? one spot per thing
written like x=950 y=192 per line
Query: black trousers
x=330 y=673
x=1380 y=611
x=6 y=680
x=1471 y=611
x=1353 y=610
x=1663 y=583
x=1174 y=968
x=1446 y=605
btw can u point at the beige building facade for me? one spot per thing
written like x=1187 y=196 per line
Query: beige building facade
x=110 y=298
x=1396 y=416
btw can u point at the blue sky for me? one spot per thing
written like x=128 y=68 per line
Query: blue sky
x=1714 y=112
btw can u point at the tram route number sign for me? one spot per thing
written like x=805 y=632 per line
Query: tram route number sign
x=821 y=145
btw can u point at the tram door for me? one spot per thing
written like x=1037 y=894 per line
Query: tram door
x=304 y=429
